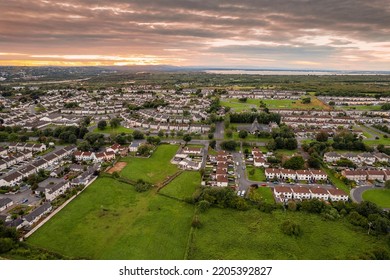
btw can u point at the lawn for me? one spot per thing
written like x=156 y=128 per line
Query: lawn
x=238 y=106
x=250 y=137
x=154 y=169
x=258 y=176
x=336 y=181
x=361 y=107
x=183 y=186
x=381 y=140
x=265 y=193
x=110 y=220
x=116 y=130
x=231 y=234
x=379 y=197
x=286 y=152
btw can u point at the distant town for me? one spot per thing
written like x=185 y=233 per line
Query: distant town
x=206 y=147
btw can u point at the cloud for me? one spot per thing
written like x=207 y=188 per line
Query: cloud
x=202 y=32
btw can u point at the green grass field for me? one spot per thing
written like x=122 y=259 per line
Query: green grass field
x=336 y=181
x=361 y=107
x=183 y=186
x=256 y=235
x=258 y=176
x=110 y=220
x=265 y=193
x=379 y=197
x=154 y=169
x=111 y=130
x=376 y=142
x=238 y=106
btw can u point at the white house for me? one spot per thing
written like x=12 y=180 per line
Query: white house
x=271 y=173
x=337 y=195
x=319 y=193
x=331 y=157
x=52 y=192
x=376 y=175
x=222 y=180
x=5 y=203
x=318 y=175
x=301 y=193
x=37 y=214
x=283 y=192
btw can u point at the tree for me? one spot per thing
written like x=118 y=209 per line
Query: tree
x=161 y=133
x=102 y=124
x=213 y=143
x=387 y=184
x=291 y=228
x=229 y=145
x=314 y=162
x=295 y=163
x=306 y=100
x=229 y=133
x=243 y=134
x=138 y=135
x=187 y=138
x=115 y=122
x=322 y=136
x=210 y=136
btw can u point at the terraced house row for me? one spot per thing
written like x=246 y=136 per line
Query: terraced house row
x=301 y=175
x=301 y=193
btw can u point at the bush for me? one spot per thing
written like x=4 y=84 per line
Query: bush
x=203 y=206
x=196 y=222
x=291 y=229
x=142 y=186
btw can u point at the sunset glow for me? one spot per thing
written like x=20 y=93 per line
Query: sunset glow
x=352 y=34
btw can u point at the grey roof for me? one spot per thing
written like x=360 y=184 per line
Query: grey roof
x=37 y=212
x=14 y=223
x=4 y=201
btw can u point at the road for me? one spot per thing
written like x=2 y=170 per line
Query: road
x=219 y=130
x=356 y=193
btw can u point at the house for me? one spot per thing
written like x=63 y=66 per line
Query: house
x=84 y=156
x=114 y=148
x=28 y=170
x=375 y=175
x=37 y=214
x=319 y=193
x=134 y=146
x=11 y=179
x=367 y=158
x=260 y=162
x=352 y=157
x=192 y=150
x=17 y=223
x=271 y=173
x=304 y=175
x=301 y=193
x=5 y=203
x=105 y=156
x=337 y=195
x=331 y=157
x=283 y=193
x=355 y=175
x=222 y=180
x=319 y=175
x=288 y=174
x=76 y=167
x=381 y=157
x=53 y=191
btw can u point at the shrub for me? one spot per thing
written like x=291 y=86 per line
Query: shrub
x=291 y=229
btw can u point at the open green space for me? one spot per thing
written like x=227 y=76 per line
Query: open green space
x=380 y=197
x=286 y=152
x=117 y=130
x=110 y=220
x=336 y=181
x=230 y=234
x=265 y=193
x=183 y=186
x=154 y=169
x=238 y=106
x=360 y=107
x=250 y=138
x=381 y=140
x=259 y=174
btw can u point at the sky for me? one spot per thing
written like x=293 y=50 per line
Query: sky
x=293 y=34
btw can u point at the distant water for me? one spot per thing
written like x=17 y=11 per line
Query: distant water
x=296 y=72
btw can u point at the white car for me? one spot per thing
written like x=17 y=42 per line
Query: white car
x=239 y=193
x=242 y=193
